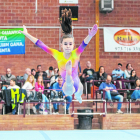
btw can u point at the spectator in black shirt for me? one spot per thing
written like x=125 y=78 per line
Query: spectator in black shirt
x=100 y=75
x=88 y=72
x=40 y=72
x=33 y=72
x=133 y=77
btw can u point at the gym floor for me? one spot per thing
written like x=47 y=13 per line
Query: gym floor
x=71 y=135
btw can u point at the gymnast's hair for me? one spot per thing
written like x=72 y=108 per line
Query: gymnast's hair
x=66 y=24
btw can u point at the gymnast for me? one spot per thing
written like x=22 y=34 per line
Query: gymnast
x=68 y=59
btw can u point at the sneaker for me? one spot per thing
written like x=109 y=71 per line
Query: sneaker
x=119 y=112
x=111 y=104
x=56 y=112
x=45 y=112
x=34 y=110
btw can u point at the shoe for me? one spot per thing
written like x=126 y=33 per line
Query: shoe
x=45 y=112
x=56 y=112
x=119 y=112
x=67 y=111
x=34 y=110
x=111 y=104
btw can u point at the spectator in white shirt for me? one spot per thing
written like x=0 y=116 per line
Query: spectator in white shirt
x=13 y=84
x=50 y=72
x=29 y=84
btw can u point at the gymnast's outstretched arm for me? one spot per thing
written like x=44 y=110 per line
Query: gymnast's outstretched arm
x=38 y=42
x=91 y=33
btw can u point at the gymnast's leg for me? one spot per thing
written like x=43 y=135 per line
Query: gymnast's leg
x=79 y=92
x=68 y=87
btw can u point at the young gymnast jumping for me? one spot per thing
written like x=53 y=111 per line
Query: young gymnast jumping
x=68 y=59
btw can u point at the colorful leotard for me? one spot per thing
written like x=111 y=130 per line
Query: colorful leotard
x=61 y=60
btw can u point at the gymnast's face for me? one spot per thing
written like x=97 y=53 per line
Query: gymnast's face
x=67 y=45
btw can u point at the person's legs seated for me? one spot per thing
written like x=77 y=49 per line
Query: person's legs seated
x=69 y=100
x=136 y=95
x=36 y=108
x=45 y=105
x=14 y=111
x=108 y=96
x=120 y=99
x=55 y=108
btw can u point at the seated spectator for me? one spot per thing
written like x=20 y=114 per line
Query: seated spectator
x=13 y=84
x=54 y=79
x=100 y=75
x=33 y=72
x=128 y=70
x=118 y=73
x=39 y=87
x=133 y=78
x=6 y=78
x=29 y=85
x=50 y=72
x=136 y=94
x=40 y=73
x=55 y=71
x=87 y=75
x=27 y=73
x=88 y=72
x=111 y=93
x=58 y=85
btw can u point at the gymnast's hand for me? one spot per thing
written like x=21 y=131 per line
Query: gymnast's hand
x=33 y=39
x=93 y=31
x=24 y=30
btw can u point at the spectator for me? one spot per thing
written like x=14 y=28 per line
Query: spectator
x=13 y=84
x=33 y=72
x=27 y=73
x=100 y=75
x=39 y=87
x=133 y=77
x=55 y=71
x=118 y=73
x=111 y=93
x=87 y=75
x=50 y=72
x=58 y=85
x=6 y=78
x=40 y=73
x=136 y=93
x=128 y=70
x=29 y=84
x=88 y=72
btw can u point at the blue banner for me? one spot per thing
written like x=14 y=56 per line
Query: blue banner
x=12 y=42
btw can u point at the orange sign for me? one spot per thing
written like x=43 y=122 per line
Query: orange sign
x=127 y=37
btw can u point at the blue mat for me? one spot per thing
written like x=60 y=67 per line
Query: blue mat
x=71 y=135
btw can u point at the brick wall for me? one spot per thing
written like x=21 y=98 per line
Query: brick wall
x=19 y=12
x=120 y=121
x=36 y=122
